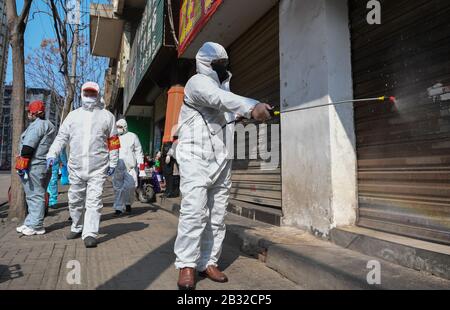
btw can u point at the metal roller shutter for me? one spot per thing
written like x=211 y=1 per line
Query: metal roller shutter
x=256 y=74
x=403 y=150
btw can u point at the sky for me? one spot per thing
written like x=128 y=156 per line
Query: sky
x=40 y=27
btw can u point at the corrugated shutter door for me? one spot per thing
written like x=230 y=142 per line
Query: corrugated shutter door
x=403 y=150
x=256 y=74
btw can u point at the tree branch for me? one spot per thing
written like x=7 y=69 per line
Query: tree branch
x=40 y=12
x=11 y=11
x=24 y=14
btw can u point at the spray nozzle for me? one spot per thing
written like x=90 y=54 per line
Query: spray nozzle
x=392 y=99
x=273 y=112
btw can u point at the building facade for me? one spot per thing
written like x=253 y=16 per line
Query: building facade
x=52 y=113
x=380 y=166
x=139 y=39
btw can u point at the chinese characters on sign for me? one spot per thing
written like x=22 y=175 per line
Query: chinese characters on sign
x=149 y=39
x=194 y=15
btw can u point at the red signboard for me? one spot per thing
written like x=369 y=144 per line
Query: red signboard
x=194 y=14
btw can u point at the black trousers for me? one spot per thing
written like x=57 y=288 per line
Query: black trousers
x=169 y=184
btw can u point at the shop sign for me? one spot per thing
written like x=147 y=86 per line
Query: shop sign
x=194 y=15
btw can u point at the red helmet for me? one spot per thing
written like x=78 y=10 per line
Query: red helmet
x=36 y=107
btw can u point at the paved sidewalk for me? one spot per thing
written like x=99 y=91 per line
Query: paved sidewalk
x=135 y=252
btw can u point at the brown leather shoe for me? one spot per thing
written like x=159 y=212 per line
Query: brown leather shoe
x=213 y=273
x=186 y=279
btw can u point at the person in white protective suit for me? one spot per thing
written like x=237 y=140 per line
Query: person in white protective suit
x=123 y=183
x=133 y=157
x=90 y=132
x=205 y=128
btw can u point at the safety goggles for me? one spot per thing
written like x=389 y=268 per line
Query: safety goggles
x=220 y=62
x=90 y=92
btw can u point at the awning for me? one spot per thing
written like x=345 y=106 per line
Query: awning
x=140 y=111
x=147 y=57
x=120 y=5
x=105 y=31
x=224 y=23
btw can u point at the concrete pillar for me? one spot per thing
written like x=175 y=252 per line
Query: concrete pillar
x=318 y=145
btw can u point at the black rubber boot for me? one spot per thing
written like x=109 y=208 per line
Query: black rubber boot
x=73 y=235
x=90 y=242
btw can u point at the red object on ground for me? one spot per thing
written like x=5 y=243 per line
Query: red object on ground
x=392 y=99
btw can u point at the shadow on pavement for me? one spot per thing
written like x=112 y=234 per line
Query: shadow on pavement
x=10 y=272
x=115 y=230
x=149 y=268
x=107 y=217
x=57 y=226
x=143 y=273
x=136 y=211
x=58 y=208
x=4 y=211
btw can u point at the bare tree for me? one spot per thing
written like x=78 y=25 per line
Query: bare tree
x=68 y=40
x=42 y=68
x=16 y=27
x=44 y=63
x=60 y=25
x=90 y=68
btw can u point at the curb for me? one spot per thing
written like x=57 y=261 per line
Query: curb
x=313 y=263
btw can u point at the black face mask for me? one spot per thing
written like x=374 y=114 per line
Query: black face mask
x=221 y=71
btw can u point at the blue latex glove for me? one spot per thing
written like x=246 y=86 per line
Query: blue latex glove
x=50 y=162
x=23 y=174
x=111 y=171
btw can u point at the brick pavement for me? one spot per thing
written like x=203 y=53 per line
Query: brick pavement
x=135 y=252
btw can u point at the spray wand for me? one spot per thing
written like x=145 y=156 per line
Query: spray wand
x=391 y=99
x=275 y=113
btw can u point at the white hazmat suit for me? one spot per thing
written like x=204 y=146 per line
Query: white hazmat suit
x=123 y=183
x=202 y=155
x=90 y=132
x=132 y=156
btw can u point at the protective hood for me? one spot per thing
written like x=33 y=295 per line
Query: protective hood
x=89 y=103
x=209 y=52
x=122 y=123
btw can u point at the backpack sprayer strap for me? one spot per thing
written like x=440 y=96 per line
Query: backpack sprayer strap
x=212 y=132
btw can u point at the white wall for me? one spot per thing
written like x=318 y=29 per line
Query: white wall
x=318 y=145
